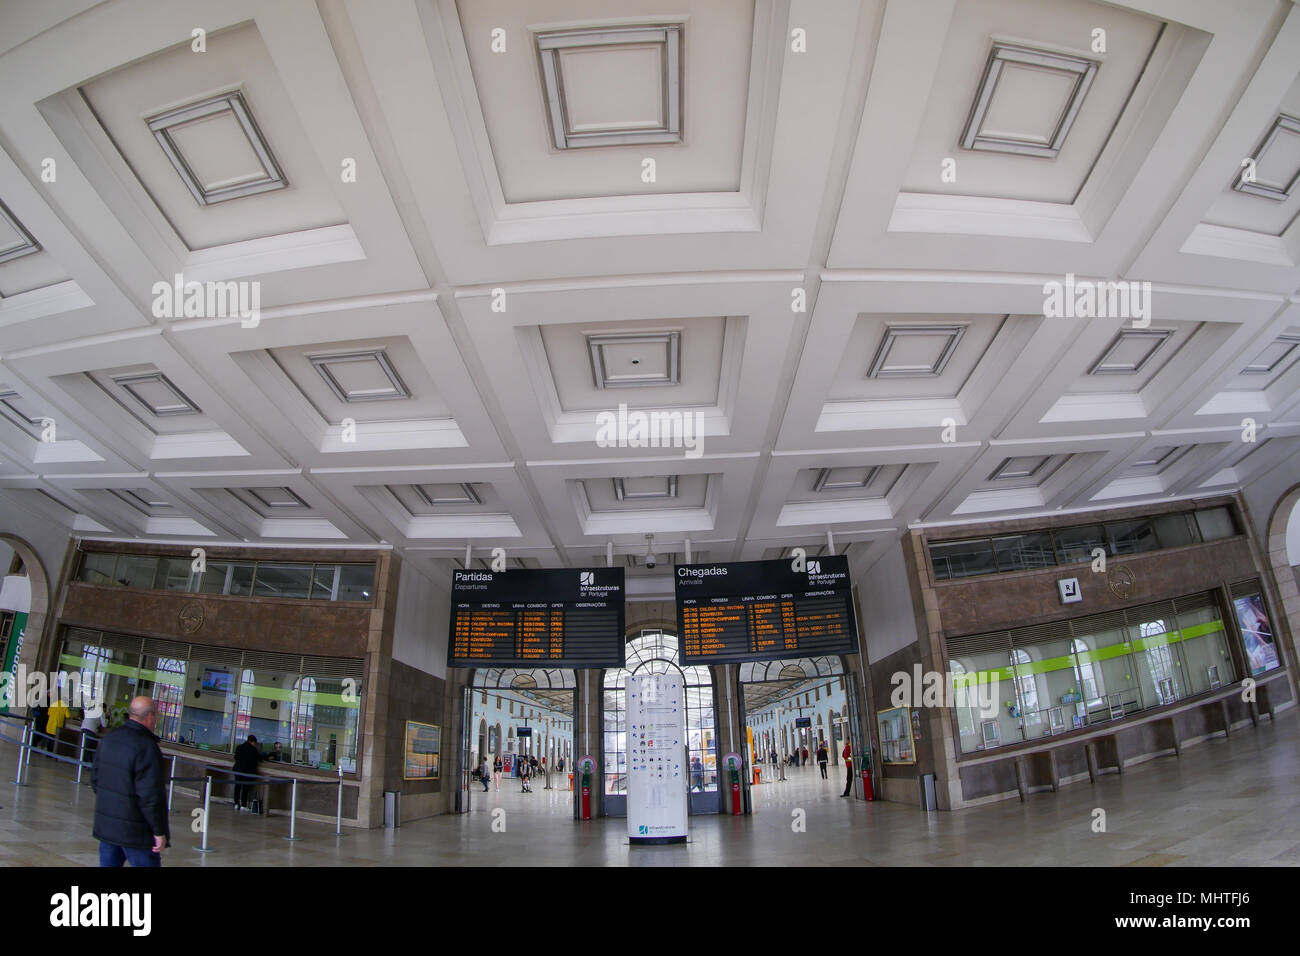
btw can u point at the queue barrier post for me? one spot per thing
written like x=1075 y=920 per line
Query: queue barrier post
x=338 y=813
x=207 y=805
x=22 y=746
x=171 y=784
x=293 y=813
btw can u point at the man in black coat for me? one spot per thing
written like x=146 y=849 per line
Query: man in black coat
x=130 y=787
x=247 y=757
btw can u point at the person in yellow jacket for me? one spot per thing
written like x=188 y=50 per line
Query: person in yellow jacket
x=54 y=723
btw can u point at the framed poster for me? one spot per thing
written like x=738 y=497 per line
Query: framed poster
x=895 y=736
x=1257 y=633
x=422 y=744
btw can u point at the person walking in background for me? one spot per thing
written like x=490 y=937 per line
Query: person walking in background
x=848 y=770
x=247 y=757
x=130 y=788
x=822 y=757
x=697 y=774
x=483 y=774
x=804 y=751
x=523 y=776
x=496 y=772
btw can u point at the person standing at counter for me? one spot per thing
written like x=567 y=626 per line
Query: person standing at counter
x=247 y=757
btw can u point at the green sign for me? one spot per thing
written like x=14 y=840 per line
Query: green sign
x=11 y=653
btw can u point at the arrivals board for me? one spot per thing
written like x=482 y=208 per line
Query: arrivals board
x=764 y=610
x=537 y=618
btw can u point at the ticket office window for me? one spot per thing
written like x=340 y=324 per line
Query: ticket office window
x=265 y=709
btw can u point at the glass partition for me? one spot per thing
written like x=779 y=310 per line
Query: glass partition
x=276 y=579
x=1099 y=668
x=208 y=720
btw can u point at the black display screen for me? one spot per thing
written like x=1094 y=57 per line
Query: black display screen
x=537 y=618
x=764 y=610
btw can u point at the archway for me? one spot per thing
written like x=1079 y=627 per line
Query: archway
x=802 y=696
x=35 y=637
x=1282 y=544
x=655 y=651
x=513 y=712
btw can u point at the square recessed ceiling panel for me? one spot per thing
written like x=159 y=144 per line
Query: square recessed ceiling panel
x=1130 y=351
x=613 y=86
x=23 y=413
x=635 y=359
x=915 y=351
x=360 y=376
x=1270 y=204
x=15 y=241
x=217 y=149
x=1276 y=357
x=1027 y=100
x=371 y=380
x=643 y=489
x=844 y=483
x=145 y=501
x=649 y=492
x=638 y=362
x=585 y=89
x=447 y=498
x=269 y=501
x=156 y=394
x=835 y=479
x=198 y=129
x=893 y=357
x=1157 y=459
x=1020 y=101
x=1276 y=162
x=1019 y=468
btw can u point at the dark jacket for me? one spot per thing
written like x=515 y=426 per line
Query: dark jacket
x=247 y=757
x=130 y=788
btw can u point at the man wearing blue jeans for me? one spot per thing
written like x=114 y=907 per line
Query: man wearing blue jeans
x=131 y=791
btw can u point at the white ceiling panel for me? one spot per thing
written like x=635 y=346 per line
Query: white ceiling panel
x=470 y=286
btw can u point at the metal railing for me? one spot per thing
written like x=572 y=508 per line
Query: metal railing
x=26 y=746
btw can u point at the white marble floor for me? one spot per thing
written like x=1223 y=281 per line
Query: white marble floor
x=1233 y=802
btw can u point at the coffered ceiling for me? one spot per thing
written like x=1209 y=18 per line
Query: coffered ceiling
x=553 y=277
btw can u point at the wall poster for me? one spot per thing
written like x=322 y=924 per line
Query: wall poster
x=422 y=744
x=1257 y=633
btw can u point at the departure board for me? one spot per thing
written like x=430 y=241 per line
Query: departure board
x=531 y=618
x=764 y=610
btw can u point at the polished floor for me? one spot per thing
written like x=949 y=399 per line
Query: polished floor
x=1224 y=802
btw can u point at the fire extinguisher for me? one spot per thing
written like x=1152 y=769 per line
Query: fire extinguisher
x=735 y=784
x=867 y=792
x=586 y=787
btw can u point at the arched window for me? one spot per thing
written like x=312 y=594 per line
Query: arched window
x=655 y=652
x=1026 y=687
x=963 y=698
x=1089 y=679
x=303 y=710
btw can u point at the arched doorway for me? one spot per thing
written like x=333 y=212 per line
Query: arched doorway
x=512 y=713
x=795 y=694
x=655 y=651
x=29 y=628
x=1282 y=543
